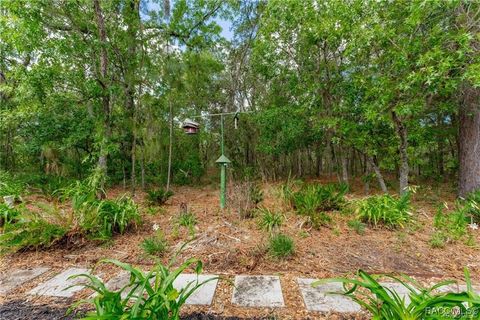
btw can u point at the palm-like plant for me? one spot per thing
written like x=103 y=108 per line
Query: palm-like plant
x=148 y=296
x=423 y=303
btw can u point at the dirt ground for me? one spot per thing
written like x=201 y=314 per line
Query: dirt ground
x=229 y=245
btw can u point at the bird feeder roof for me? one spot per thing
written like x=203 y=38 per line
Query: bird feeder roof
x=190 y=124
x=223 y=159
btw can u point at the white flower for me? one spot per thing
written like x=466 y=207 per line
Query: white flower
x=473 y=226
x=155 y=227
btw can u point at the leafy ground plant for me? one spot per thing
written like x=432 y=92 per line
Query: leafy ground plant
x=385 y=210
x=450 y=226
x=159 y=196
x=269 y=220
x=155 y=246
x=34 y=230
x=429 y=303
x=149 y=296
x=357 y=225
x=281 y=246
x=8 y=215
x=102 y=219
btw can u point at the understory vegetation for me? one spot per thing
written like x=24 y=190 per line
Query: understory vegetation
x=384 y=303
x=146 y=296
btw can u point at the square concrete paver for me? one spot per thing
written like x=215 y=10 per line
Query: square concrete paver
x=204 y=294
x=56 y=287
x=257 y=291
x=14 y=279
x=322 y=298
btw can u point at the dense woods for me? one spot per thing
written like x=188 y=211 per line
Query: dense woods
x=383 y=91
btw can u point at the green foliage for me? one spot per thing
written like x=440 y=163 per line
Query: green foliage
x=357 y=225
x=281 y=246
x=316 y=197
x=159 y=196
x=8 y=215
x=472 y=205
x=269 y=220
x=155 y=246
x=450 y=226
x=313 y=200
x=10 y=186
x=149 y=296
x=102 y=219
x=187 y=219
x=32 y=230
x=385 y=210
x=424 y=303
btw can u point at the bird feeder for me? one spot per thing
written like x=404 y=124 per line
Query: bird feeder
x=190 y=126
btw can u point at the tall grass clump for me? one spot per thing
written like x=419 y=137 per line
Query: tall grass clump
x=101 y=219
x=385 y=210
x=431 y=302
x=149 y=295
x=314 y=201
x=269 y=220
x=159 y=196
x=450 y=226
x=281 y=246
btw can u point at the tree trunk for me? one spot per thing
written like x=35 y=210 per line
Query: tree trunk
x=169 y=173
x=469 y=142
x=378 y=174
x=344 y=161
x=403 y=169
x=102 y=159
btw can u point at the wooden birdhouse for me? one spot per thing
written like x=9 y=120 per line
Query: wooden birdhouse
x=190 y=126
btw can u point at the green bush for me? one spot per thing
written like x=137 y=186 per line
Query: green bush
x=187 y=219
x=8 y=215
x=472 y=205
x=104 y=218
x=10 y=186
x=32 y=231
x=314 y=200
x=281 y=246
x=357 y=225
x=269 y=220
x=386 y=210
x=149 y=296
x=424 y=303
x=318 y=197
x=155 y=246
x=450 y=226
x=159 y=196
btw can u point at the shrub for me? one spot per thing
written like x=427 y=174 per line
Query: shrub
x=155 y=246
x=147 y=296
x=319 y=198
x=386 y=210
x=10 y=186
x=31 y=231
x=269 y=220
x=159 y=196
x=187 y=219
x=281 y=246
x=102 y=219
x=384 y=303
x=245 y=198
x=472 y=205
x=357 y=225
x=449 y=227
x=8 y=215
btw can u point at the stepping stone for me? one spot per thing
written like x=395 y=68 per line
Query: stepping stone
x=56 y=286
x=257 y=291
x=401 y=290
x=204 y=294
x=322 y=298
x=12 y=280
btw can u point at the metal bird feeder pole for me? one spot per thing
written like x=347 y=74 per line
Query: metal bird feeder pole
x=191 y=127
